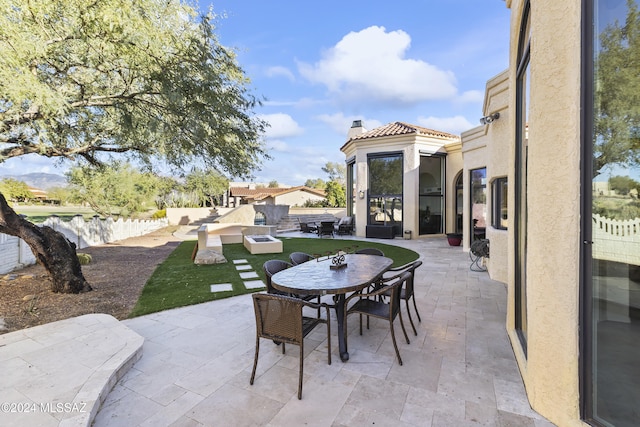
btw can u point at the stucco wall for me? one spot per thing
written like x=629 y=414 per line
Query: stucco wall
x=297 y=198
x=550 y=369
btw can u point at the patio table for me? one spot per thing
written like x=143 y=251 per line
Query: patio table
x=315 y=277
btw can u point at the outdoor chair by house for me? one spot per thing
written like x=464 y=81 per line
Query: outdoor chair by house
x=345 y=225
x=299 y=257
x=326 y=228
x=279 y=318
x=369 y=305
x=308 y=227
x=406 y=293
x=270 y=268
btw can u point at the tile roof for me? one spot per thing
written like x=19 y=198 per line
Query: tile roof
x=401 y=128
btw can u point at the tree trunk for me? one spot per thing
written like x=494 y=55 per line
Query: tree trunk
x=51 y=249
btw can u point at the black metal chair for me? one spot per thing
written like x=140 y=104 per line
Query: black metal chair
x=299 y=257
x=326 y=228
x=279 y=318
x=369 y=305
x=406 y=293
x=345 y=225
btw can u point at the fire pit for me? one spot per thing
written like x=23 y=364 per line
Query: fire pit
x=262 y=244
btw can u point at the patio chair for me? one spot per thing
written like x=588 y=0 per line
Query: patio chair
x=308 y=227
x=299 y=257
x=270 y=268
x=345 y=225
x=406 y=293
x=279 y=318
x=367 y=304
x=326 y=228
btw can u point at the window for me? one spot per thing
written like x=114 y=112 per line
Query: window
x=478 y=202
x=385 y=190
x=611 y=214
x=523 y=74
x=499 y=202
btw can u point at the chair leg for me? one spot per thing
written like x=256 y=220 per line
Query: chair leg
x=255 y=361
x=395 y=345
x=410 y=319
x=416 y=307
x=406 y=337
x=301 y=370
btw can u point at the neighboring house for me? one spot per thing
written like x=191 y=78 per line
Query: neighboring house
x=38 y=194
x=291 y=196
x=534 y=173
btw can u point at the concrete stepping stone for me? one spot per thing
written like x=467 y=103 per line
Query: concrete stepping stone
x=249 y=275
x=221 y=287
x=254 y=284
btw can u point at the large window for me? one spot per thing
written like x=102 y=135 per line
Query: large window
x=351 y=187
x=431 y=194
x=523 y=74
x=499 y=192
x=479 y=202
x=385 y=190
x=611 y=213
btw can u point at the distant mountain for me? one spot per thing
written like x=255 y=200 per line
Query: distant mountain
x=43 y=181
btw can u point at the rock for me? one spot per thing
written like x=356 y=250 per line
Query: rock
x=29 y=297
x=209 y=256
x=3 y=326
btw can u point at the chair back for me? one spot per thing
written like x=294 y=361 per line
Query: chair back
x=370 y=251
x=278 y=318
x=412 y=271
x=299 y=257
x=326 y=228
x=393 y=290
x=270 y=268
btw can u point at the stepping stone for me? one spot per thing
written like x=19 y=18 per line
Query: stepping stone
x=254 y=284
x=221 y=287
x=240 y=261
x=249 y=275
x=243 y=267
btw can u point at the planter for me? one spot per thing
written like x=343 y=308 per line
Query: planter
x=454 y=239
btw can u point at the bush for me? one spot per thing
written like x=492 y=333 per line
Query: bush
x=162 y=213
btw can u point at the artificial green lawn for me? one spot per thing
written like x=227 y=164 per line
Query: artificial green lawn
x=178 y=282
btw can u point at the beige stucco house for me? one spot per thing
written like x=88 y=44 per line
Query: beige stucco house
x=533 y=177
x=291 y=196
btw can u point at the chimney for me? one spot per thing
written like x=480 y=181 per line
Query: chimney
x=356 y=129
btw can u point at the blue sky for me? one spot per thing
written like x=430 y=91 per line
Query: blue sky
x=319 y=66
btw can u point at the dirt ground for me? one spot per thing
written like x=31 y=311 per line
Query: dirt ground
x=117 y=274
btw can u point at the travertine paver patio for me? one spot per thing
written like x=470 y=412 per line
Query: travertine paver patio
x=459 y=370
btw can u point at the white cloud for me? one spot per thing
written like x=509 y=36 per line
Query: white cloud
x=470 y=97
x=281 y=126
x=455 y=125
x=278 y=145
x=278 y=71
x=371 y=64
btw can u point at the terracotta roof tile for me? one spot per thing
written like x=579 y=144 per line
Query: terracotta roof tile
x=401 y=128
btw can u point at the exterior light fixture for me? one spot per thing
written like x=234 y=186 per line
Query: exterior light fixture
x=490 y=118
x=361 y=194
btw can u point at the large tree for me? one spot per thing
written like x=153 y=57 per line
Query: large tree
x=85 y=79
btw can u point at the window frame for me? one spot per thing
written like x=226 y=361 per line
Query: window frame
x=499 y=195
